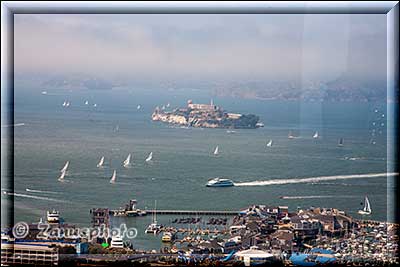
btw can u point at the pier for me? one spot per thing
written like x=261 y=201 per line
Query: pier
x=182 y=212
x=194 y=212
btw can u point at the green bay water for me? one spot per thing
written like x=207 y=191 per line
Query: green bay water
x=182 y=157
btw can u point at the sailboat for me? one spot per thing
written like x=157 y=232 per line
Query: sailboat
x=290 y=136
x=61 y=178
x=367 y=207
x=86 y=102
x=138 y=107
x=101 y=162
x=154 y=227
x=127 y=161
x=64 y=169
x=113 y=177
x=64 y=104
x=340 y=142
x=269 y=144
x=67 y=104
x=150 y=157
x=216 y=151
x=315 y=136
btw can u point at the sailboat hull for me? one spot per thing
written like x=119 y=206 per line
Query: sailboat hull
x=364 y=212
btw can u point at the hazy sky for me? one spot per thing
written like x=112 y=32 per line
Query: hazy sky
x=266 y=46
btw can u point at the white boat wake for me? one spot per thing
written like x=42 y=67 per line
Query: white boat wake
x=36 y=197
x=311 y=197
x=41 y=191
x=314 y=179
x=13 y=125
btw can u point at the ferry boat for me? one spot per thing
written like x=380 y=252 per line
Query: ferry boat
x=53 y=216
x=220 y=182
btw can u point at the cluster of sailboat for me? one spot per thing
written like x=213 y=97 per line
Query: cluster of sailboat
x=67 y=103
x=126 y=163
x=315 y=136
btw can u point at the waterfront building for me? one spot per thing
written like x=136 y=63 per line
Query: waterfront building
x=29 y=254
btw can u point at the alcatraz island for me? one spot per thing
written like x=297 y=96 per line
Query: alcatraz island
x=206 y=116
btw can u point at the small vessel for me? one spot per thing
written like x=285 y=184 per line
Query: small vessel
x=163 y=107
x=61 y=178
x=367 y=207
x=149 y=157
x=53 y=216
x=86 y=102
x=94 y=105
x=216 y=151
x=138 y=107
x=167 y=237
x=290 y=136
x=259 y=124
x=44 y=92
x=168 y=104
x=117 y=242
x=340 y=143
x=113 y=177
x=67 y=104
x=220 y=182
x=127 y=161
x=64 y=104
x=64 y=169
x=316 y=135
x=101 y=163
x=230 y=131
x=154 y=227
x=269 y=144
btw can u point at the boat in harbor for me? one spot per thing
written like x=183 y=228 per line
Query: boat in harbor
x=367 y=207
x=216 y=151
x=149 y=157
x=220 y=182
x=117 y=242
x=65 y=168
x=316 y=135
x=113 y=177
x=167 y=237
x=340 y=143
x=53 y=217
x=154 y=227
x=269 y=144
x=127 y=161
x=101 y=163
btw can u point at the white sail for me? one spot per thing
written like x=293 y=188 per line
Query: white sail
x=113 y=177
x=316 y=135
x=61 y=178
x=216 y=151
x=86 y=102
x=64 y=104
x=101 y=162
x=269 y=144
x=138 y=106
x=150 y=157
x=64 y=169
x=67 y=104
x=367 y=206
x=127 y=161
